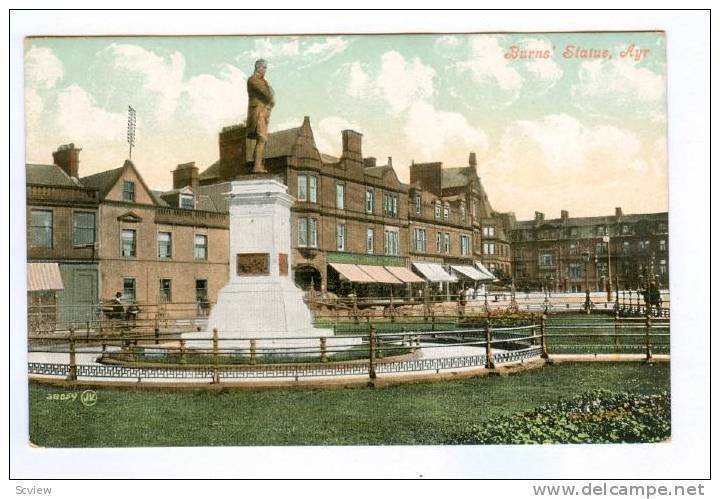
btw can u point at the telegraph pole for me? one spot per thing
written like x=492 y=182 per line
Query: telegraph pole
x=131 y=129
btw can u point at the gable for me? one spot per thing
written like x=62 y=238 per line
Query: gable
x=130 y=174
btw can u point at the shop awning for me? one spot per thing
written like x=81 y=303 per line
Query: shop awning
x=487 y=275
x=379 y=274
x=404 y=274
x=352 y=273
x=469 y=272
x=434 y=272
x=44 y=277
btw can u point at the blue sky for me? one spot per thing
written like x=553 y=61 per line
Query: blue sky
x=551 y=133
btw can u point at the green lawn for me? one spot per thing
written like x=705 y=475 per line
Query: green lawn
x=407 y=414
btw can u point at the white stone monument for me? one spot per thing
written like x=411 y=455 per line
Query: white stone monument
x=260 y=300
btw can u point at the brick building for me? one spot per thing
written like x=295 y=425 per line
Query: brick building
x=549 y=253
x=62 y=221
x=111 y=233
x=352 y=211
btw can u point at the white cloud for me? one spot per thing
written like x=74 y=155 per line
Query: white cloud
x=359 y=80
x=33 y=104
x=401 y=83
x=546 y=70
x=82 y=121
x=321 y=51
x=620 y=80
x=162 y=76
x=268 y=48
x=487 y=63
x=277 y=50
x=447 y=41
x=436 y=134
x=217 y=100
x=328 y=134
x=42 y=68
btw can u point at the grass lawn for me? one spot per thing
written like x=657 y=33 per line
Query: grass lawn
x=406 y=414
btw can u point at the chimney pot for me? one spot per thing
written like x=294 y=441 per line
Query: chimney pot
x=369 y=162
x=564 y=215
x=618 y=212
x=472 y=161
x=67 y=157
x=185 y=175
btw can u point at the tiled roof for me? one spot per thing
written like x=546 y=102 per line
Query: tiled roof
x=103 y=181
x=48 y=175
x=590 y=221
x=454 y=177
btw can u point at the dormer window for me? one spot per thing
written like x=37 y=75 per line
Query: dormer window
x=187 y=201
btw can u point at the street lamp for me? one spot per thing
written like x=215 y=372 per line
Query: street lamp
x=586 y=260
x=606 y=240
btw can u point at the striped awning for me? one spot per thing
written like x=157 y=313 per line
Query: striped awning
x=468 y=271
x=352 y=273
x=434 y=272
x=404 y=274
x=379 y=274
x=488 y=276
x=44 y=277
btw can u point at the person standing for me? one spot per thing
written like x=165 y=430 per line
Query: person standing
x=261 y=100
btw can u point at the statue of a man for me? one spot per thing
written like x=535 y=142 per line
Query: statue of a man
x=260 y=103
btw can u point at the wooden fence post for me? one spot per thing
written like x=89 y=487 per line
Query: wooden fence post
x=253 y=351
x=72 y=371
x=371 y=368
x=616 y=326
x=648 y=332
x=489 y=360
x=543 y=336
x=182 y=351
x=323 y=349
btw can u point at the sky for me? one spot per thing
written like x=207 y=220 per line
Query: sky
x=578 y=123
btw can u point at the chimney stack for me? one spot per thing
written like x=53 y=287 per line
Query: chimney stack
x=185 y=175
x=473 y=160
x=618 y=212
x=352 y=145
x=389 y=161
x=539 y=216
x=369 y=162
x=67 y=157
x=564 y=215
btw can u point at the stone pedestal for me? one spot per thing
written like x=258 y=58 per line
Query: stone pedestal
x=260 y=300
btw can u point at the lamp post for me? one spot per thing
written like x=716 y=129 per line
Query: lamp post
x=586 y=260
x=606 y=240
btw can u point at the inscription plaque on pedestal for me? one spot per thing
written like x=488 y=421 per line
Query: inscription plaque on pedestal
x=253 y=263
x=283 y=263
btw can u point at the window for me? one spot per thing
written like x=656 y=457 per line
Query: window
x=446 y=242
x=418 y=203
x=128 y=191
x=129 y=290
x=127 y=242
x=662 y=245
x=600 y=230
x=302 y=186
x=391 y=242
x=474 y=209
x=201 y=247
x=370 y=241
x=575 y=270
x=41 y=228
x=437 y=210
x=420 y=240
x=663 y=267
x=164 y=245
x=625 y=229
x=201 y=291
x=573 y=249
x=187 y=201
x=312 y=189
x=446 y=212
x=390 y=204
x=602 y=269
x=370 y=201
x=489 y=248
x=438 y=242
x=464 y=245
x=165 y=294
x=600 y=248
x=546 y=260
x=307 y=232
x=340 y=196
x=462 y=212
x=643 y=245
x=662 y=227
x=489 y=231
x=340 y=237
x=626 y=248
x=302 y=232
x=83 y=228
